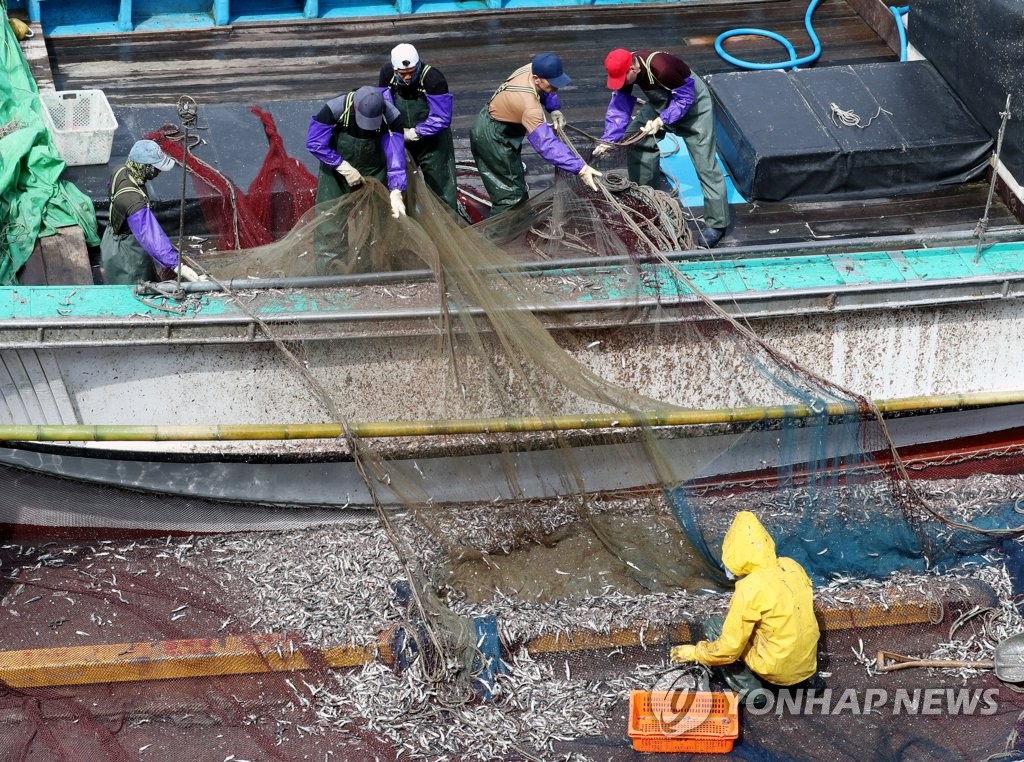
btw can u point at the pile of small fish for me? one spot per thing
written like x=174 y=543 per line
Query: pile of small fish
x=336 y=585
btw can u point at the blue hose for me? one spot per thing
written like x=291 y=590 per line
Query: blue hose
x=897 y=13
x=793 y=61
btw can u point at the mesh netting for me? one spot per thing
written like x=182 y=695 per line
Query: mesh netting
x=514 y=627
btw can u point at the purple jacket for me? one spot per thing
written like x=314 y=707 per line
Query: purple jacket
x=440 y=116
x=620 y=110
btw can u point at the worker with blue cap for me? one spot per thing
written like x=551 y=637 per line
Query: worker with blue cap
x=516 y=111
x=134 y=247
x=420 y=92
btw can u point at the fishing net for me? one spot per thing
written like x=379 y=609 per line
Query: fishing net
x=550 y=520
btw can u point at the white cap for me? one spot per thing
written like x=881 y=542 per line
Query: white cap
x=404 y=56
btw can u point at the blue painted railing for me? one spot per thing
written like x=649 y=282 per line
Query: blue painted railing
x=74 y=17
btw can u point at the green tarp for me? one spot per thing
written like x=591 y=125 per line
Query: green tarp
x=34 y=201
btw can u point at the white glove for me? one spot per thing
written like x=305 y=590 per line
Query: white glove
x=411 y=136
x=352 y=175
x=397 y=204
x=653 y=127
x=187 y=273
x=557 y=120
x=600 y=150
x=590 y=175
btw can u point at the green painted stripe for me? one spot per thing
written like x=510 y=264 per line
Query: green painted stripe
x=712 y=277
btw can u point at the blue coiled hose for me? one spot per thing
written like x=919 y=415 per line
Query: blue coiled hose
x=793 y=61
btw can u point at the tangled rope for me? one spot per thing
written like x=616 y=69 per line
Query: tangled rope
x=850 y=118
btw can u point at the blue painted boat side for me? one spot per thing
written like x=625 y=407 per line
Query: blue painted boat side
x=73 y=17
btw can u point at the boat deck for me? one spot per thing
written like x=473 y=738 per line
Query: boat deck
x=251 y=64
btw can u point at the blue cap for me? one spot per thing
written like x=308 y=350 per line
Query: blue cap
x=369 y=107
x=148 y=152
x=549 y=66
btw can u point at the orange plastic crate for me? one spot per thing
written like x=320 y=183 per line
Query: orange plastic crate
x=687 y=721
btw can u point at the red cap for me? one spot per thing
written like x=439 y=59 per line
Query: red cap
x=617 y=64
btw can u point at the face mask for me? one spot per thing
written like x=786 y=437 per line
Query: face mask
x=140 y=173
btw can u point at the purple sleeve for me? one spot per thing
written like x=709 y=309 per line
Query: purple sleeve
x=616 y=119
x=388 y=95
x=152 y=238
x=318 y=142
x=554 y=150
x=440 y=117
x=679 y=102
x=550 y=101
x=393 y=144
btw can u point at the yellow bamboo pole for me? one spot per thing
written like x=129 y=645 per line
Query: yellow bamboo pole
x=388 y=429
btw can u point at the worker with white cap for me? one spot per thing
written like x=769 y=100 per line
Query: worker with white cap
x=516 y=111
x=134 y=247
x=420 y=92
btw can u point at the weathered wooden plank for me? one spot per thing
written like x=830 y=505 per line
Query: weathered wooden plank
x=66 y=258
x=32 y=272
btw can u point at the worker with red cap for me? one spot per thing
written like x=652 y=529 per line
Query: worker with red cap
x=516 y=111
x=678 y=101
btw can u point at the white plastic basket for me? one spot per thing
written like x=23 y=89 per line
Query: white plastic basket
x=82 y=125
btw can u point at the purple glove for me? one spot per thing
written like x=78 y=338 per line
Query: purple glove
x=616 y=119
x=679 y=102
x=440 y=116
x=393 y=144
x=554 y=150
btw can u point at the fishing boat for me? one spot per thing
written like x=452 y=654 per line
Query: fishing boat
x=906 y=294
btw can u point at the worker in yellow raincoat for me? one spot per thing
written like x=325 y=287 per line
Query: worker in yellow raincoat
x=770 y=634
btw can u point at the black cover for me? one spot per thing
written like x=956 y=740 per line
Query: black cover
x=234 y=143
x=776 y=132
x=978 y=47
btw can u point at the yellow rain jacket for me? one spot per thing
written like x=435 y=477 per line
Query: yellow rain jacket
x=771 y=623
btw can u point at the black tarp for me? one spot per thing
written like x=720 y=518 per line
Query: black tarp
x=777 y=133
x=233 y=142
x=978 y=47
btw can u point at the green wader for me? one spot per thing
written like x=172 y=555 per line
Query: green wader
x=125 y=263
x=697 y=129
x=434 y=154
x=366 y=155
x=497 y=150
x=737 y=675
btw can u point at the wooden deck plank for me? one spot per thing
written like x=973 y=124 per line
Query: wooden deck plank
x=32 y=272
x=303 y=60
x=66 y=258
